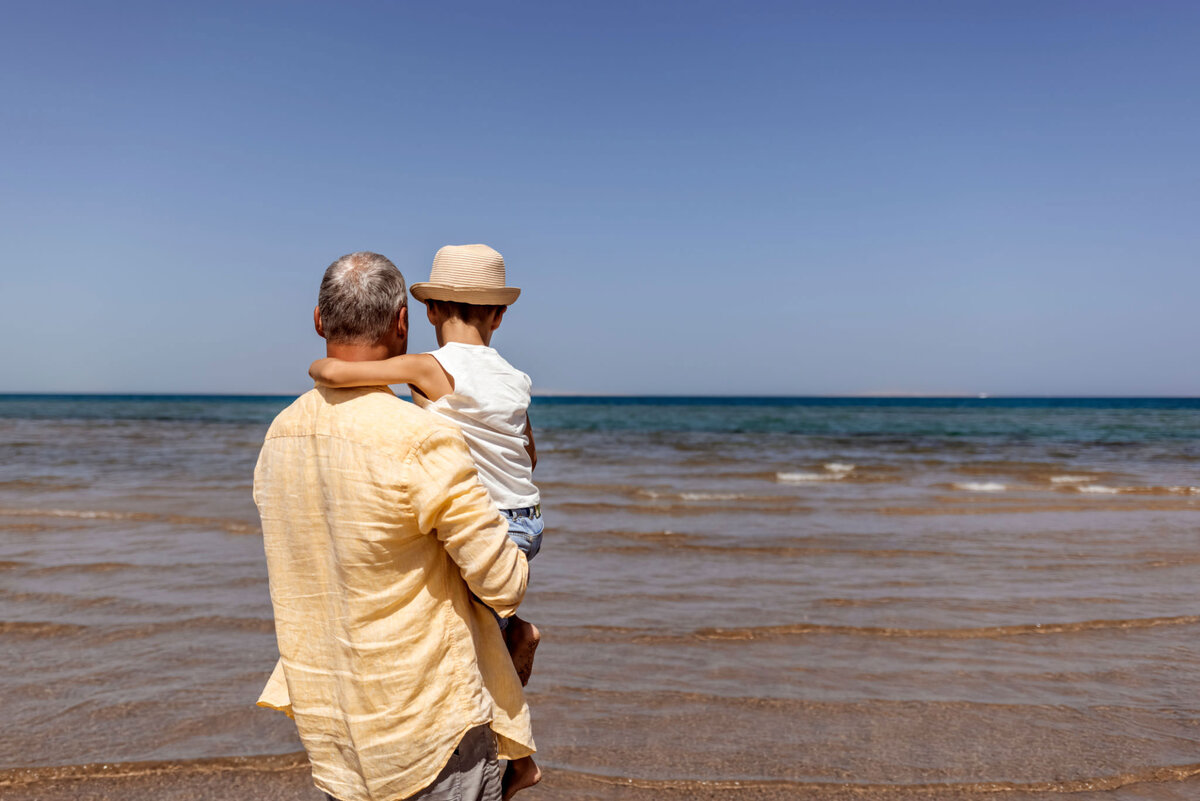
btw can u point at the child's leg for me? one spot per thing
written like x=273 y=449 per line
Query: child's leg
x=522 y=638
x=525 y=528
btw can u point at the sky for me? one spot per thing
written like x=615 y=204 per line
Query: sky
x=695 y=197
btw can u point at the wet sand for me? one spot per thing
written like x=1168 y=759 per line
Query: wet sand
x=287 y=778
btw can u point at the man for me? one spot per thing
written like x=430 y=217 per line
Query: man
x=380 y=544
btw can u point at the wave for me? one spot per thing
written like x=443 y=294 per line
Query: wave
x=776 y=506
x=84 y=567
x=223 y=523
x=1061 y=483
x=107 y=634
x=987 y=632
x=643 y=636
x=41 y=485
x=661 y=536
x=710 y=496
x=710 y=788
x=697 y=496
x=692 y=544
x=1077 y=485
x=803 y=478
x=39 y=628
x=958 y=602
x=1100 y=489
x=32 y=528
x=797 y=478
x=212 y=622
x=955 y=505
x=179 y=772
x=269 y=763
x=831 y=471
x=115 y=606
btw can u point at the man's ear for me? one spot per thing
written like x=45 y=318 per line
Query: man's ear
x=317 y=322
x=402 y=322
x=499 y=316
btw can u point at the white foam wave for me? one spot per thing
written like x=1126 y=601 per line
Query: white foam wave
x=80 y=514
x=655 y=495
x=804 y=478
x=1097 y=489
x=981 y=486
x=1070 y=479
x=1185 y=490
x=834 y=471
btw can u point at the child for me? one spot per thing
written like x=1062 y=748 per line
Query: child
x=469 y=383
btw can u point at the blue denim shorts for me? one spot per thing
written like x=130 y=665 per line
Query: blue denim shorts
x=525 y=527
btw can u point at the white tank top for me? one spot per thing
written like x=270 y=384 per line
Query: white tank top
x=489 y=404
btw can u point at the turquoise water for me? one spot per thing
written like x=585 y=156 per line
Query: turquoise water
x=1065 y=418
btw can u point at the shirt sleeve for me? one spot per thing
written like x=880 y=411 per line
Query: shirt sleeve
x=451 y=503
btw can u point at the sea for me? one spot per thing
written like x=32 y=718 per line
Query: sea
x=825 y=597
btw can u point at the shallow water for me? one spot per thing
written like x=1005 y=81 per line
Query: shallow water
x=982 y=595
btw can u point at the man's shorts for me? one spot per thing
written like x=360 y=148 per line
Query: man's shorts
x=472 y=774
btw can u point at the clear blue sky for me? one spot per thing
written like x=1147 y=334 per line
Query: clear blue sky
x=696 y=197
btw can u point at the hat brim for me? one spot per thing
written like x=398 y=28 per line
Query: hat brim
x=478 y=296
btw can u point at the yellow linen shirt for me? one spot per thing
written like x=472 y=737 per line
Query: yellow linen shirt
x=377 y=532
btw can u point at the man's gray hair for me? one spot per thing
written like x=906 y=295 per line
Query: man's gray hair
x=361 y=294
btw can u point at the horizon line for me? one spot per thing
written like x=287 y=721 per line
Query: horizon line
x=581 y=394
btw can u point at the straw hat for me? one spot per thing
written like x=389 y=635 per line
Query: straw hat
x=468 y=274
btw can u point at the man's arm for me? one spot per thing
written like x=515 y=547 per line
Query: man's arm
x=450 y=501
x=419 y=370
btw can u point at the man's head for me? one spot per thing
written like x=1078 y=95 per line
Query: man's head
x=363 y=306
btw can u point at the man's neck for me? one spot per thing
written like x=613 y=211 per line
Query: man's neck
x=357 y=353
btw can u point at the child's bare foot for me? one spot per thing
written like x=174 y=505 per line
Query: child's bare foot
x=521 y=773
x=522 y=638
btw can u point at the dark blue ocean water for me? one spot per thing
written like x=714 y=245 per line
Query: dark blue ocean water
x=1094 y=419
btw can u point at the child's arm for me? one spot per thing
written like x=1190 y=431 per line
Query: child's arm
x=419 y=370
x=530 y=448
